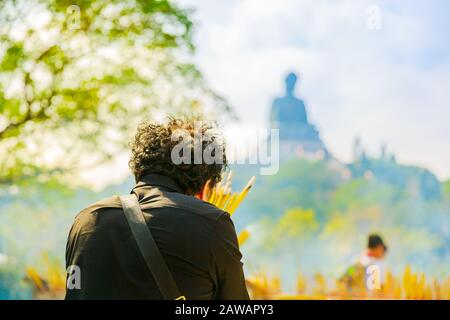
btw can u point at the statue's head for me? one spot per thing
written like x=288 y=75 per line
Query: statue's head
x=291 y=79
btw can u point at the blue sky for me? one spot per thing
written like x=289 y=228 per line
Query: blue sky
x=388 y=85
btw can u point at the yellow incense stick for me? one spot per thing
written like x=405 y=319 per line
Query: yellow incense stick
x=225 y=197
x=212 y=197
x=242 y=195
x=206 y=190
x=243 y=236
x=230 y=202
x=219 y=196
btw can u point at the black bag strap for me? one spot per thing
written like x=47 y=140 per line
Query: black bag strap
x=148 y=248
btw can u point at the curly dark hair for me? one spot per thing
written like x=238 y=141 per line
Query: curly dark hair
x=155 y=144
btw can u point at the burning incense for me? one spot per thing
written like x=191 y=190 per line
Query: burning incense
x=222 y=197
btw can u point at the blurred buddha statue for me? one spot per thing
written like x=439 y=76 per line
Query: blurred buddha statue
x=288 y=114
x=289 y=109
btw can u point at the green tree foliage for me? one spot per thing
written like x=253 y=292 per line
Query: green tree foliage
x=77 y=76
x=297 y=222
x=292 y=229
x=360 y=193
x=315 y=214
x=299 y=183
x=446 y=190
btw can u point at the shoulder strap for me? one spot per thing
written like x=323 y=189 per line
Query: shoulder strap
x=148 y=248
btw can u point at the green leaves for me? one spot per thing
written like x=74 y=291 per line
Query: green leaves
x=77 y=104
x=446 y=189
x=94 y=68
x=9 y=107
x=13 y=58
x=297 y=223
x=55 y=58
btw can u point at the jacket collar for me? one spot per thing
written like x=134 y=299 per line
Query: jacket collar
x=157 y=180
